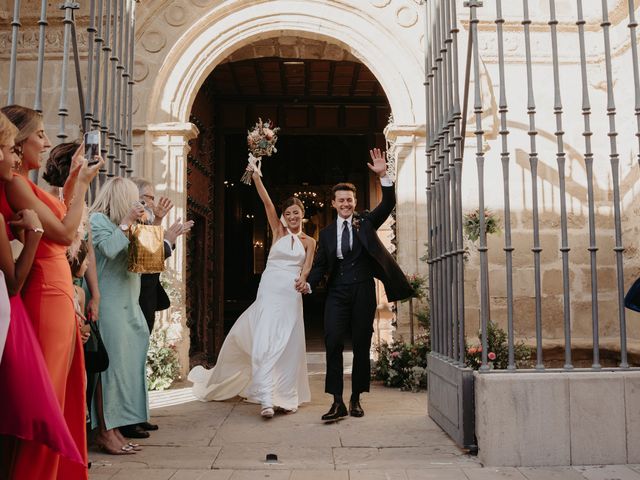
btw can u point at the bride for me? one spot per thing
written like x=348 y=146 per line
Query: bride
x=263 y=357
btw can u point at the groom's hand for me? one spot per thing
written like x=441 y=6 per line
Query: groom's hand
x=378 y=164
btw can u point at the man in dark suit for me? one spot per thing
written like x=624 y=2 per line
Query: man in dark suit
x=351 y=255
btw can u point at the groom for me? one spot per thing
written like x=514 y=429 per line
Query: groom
x=351 y=255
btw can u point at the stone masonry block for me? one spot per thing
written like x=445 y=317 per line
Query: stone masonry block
x=632 y=405
x=597 y=418
x=522 y=419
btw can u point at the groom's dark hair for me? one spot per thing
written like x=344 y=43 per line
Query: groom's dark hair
x=349 y=187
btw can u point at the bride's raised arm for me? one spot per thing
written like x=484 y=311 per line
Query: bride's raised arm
x=274 y=221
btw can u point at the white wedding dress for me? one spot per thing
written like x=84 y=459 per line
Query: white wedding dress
x=263 y=357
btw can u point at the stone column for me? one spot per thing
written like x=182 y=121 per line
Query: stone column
x=408 y=144
x=164 y=163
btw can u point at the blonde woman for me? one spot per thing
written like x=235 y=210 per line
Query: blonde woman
x=121 y=395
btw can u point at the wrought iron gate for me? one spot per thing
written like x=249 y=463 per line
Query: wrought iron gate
x=450 y=381
x=103 y=72
x=593 y=48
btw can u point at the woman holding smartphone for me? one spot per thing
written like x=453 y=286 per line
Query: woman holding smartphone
x=48 y=291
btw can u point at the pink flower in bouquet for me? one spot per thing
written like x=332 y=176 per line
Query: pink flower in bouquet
x=395 y=354
x=261 y=140
x=474 y=350
x=491 y=356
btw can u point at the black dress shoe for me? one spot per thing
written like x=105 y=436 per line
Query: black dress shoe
x=336 y=412
x=355 y=410
x=148 y=426
x=134 y=431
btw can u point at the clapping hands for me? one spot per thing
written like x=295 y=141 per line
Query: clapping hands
x=161 y=209
x=176 y=229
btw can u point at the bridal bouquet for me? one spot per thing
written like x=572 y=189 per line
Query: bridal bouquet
x=261 y=141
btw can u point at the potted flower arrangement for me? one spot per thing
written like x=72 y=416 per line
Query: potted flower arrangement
x=498 y=350
x=471 y=224
x=403 y=365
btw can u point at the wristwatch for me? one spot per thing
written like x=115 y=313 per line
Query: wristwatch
x=124 y=227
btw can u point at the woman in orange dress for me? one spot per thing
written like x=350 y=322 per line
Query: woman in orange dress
x=48 y=295
x=30 y=409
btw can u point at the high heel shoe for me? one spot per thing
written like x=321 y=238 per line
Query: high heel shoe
x=267 y=412
x=134 y=446
x=123 y=450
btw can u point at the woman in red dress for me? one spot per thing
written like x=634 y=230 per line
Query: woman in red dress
x=48 y=294
x=30 y=410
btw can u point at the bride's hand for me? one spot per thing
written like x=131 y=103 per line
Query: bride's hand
x=254 y=172
x=301 y=283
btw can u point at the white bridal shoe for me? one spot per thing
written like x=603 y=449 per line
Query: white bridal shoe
x=267 y=412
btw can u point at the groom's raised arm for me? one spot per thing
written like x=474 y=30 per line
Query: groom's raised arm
x=380 y=214
x=378 y=165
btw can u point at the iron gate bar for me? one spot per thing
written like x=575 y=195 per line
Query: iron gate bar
x=479 y=134
x=98 y=44
x=130 y=83
x=91 y=34
x=561 y=160
x=633 y=24
x=63 y=109
x=505 y=157
x=588 y=160
x=118 y=97
x=615 y=173
x=113 y=72
x=106 y=49
x=15 y=29
x=533 y=162
x=125 y=90
x=458 y=137
x=451 y=184
x=42 y=25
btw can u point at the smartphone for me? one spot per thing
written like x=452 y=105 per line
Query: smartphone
x=92 y=146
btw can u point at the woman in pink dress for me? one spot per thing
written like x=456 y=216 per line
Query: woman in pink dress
x=30 y=410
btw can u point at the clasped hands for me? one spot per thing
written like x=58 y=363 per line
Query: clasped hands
x=302 y=286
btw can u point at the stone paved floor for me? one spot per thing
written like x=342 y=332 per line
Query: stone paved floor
x=395 y=440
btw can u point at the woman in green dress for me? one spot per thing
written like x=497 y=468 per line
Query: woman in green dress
x=121 y=396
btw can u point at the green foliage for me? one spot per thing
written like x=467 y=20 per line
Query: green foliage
x=423 y=315
x=418 y=285
x=163 y=366
x=402 y=365
x=471 y=224
x=498 y=350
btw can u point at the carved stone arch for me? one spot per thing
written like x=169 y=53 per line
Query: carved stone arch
x=396 y=63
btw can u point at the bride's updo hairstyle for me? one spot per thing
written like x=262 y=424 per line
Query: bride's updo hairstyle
x=290 y=202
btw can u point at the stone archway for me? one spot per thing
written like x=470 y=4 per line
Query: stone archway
x=374 y=34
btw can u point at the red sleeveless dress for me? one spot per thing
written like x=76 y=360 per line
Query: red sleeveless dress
x=48 y=299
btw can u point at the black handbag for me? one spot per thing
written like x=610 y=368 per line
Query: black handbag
x=96 y=358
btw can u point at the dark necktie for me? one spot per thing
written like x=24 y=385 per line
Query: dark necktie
x=345 y=244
